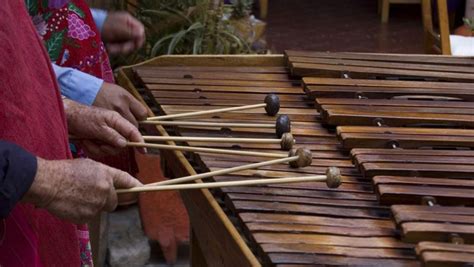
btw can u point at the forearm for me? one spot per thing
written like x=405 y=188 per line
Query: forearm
x=17 y=171
x=77 y=85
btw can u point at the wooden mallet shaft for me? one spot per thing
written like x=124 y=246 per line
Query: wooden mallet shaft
x=207 y=150
x=286 y=141
x=271 y=105
x=210 y=124
x=303 y=179
x=282 y=124
x=225 y=171
x=205 y=112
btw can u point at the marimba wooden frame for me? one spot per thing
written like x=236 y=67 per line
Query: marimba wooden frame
x=214 y=239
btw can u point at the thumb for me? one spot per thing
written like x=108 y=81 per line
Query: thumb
x=124 y=180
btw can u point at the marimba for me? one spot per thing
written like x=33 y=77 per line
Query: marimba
x=399 y=127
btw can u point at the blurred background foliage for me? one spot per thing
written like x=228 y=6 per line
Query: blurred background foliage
x=193 y=27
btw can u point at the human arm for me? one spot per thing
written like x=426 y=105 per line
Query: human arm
x=122 y=33
x=17 y=171
x=116 y=98
x=76 y=190
x=89 y=90
x=100 y=131
x=77 y=85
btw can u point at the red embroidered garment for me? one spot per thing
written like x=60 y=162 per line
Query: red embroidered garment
x=71 y=36
x=31 y=115
x=73 y=40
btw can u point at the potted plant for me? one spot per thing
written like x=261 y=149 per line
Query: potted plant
x=467 y=29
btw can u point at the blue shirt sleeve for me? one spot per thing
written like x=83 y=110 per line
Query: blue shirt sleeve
x=17 y=172
x=99 y=17
x=77 y=85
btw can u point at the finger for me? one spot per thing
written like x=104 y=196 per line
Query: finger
x=127 y=47
x=129 y=116
x=137 y=29
x=139 y=43
x=122 y=47
x=114 y=48
x=138 y=110
x=124 y=180
x=123 y=128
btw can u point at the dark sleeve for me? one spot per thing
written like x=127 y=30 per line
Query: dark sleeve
x=17 y=171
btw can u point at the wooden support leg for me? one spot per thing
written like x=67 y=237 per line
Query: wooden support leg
x=197 y=257
x=385 y=10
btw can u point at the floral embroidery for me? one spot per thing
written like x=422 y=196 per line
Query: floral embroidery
x=85 y=248
x=77 y=29
x=40 y=25
x=57 y=3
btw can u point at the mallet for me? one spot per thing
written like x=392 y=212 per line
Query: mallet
x=332 y=178
x=271 y=105
x=282 y=124
x=286 y=141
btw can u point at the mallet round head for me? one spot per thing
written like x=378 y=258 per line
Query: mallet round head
x=282 y=125
x=287 y=141
x=273 y=104
x=304 y=157
x=333 y=179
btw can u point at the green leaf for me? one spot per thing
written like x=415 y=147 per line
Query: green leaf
x=177 y=37
x=54 y=44
x=197 y=45
x=32 y=6
x=180 y=14
x=195 y=26
x=157 y=13
x=159 y=43
x=76 y=10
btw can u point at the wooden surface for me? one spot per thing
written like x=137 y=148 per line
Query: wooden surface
x=437 y=254
x=274 y=241
x=211 y=229
x=436 y=224
x=309 y=223
x=406 y=126
x=384 y=137
x=380 y=66
x=411 y=190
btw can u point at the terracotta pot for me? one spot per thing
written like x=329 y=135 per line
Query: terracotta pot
x=463 y=30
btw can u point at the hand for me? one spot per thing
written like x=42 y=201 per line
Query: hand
x=122 y=33
x=100 y=131
x=76 y=190
x=116 y=98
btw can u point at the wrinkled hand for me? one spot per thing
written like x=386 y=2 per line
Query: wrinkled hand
x=116 y=98
x=76 y=190
x=122 y=33
x=100 y=131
